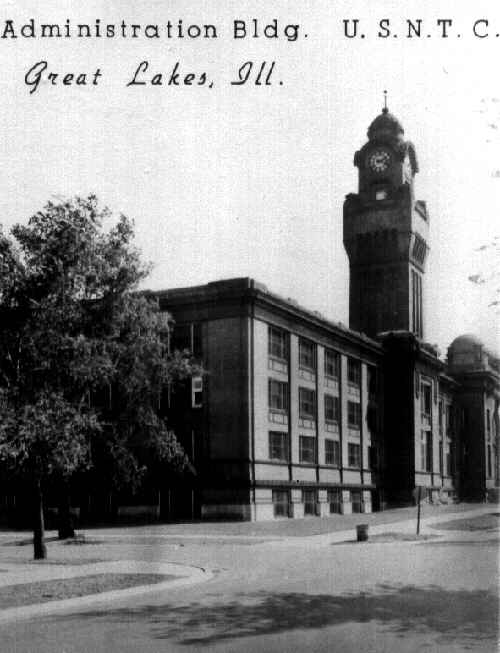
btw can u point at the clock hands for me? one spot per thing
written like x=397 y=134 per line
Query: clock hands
x=379 y=161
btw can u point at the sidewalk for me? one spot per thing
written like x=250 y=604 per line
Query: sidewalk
x=15 y=574
x=293 y=527
x=18 y=572
x=279 y=528
x=407 y=526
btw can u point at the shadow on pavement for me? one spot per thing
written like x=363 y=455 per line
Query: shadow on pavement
x=453 y=615
x=490 y=542
x=488 y=523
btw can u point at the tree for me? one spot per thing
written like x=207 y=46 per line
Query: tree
x=47 y=436
x=83 y=357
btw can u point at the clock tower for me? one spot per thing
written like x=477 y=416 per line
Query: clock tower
x=385 y=234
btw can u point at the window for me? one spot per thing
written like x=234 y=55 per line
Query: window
x=356 y=501
x=449 y=463
x=196 y=392
x=309 y=499
x=429 y=452
x=423 y=452
x=197 y=340
x=441 y=417
x=307 y=403
x=332 y=364
x=331 y=408
x=426 y=451
x=181 y=337
x=426 y=400
x=372 y=418
x=278 y=395
x=372 y=457
x=281 y=503
x=307 y=449
x=354 y=372
x=488 y=423
x=354 y=415
x=417 y=317
x=489 y=461
x=187 y=337
x=381 y=194
x=449 y=420
x=332 y=452
x=334 y=498
x=307 y=354
x=278 y=445
x=441 y=470
x=354 y=455
x=372 y=381
x=278 y=343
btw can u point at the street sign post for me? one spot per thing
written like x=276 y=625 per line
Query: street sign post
x=417 y=494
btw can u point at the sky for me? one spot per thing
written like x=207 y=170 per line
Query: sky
x=250 y=180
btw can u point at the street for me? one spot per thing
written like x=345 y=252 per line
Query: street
x=437 y=594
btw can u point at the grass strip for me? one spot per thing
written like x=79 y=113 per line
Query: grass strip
x=13 y=596
x=488 y=522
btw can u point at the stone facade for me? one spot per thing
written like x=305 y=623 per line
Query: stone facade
x=476 y=371
x=292 y=410
x=303 y=416
x=386 y=235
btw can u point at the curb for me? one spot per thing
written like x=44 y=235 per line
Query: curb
x=190 y=576
x=403 y=526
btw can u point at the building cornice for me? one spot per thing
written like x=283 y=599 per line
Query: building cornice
x=246 y=291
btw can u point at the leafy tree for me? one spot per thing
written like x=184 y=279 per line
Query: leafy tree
x=41 y=438
x=83 y=357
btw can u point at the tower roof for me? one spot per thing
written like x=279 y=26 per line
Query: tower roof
x=385 y=125
x=467 y=353
x=466 y=341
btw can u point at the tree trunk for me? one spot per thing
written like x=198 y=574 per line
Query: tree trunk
x=65 y=520
x=39 y=548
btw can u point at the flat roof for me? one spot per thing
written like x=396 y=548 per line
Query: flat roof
x=240 y=286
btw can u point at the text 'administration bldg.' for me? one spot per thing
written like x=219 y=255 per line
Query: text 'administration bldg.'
x=301 y=416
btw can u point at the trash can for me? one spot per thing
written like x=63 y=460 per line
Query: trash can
x=362 y=532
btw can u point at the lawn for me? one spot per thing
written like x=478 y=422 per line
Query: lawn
x=13 y=596
x=488 y=522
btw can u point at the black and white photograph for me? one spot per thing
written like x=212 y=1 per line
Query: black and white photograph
x=249 y=326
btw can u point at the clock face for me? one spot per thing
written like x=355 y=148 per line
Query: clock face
x=379 y=160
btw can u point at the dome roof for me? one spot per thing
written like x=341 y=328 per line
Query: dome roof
x=467 y=341
x=385 y=124
x=468 y=353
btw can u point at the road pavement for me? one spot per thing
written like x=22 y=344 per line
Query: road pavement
x=271 y=592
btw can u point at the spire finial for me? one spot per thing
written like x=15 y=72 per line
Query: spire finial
x=385 y=109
